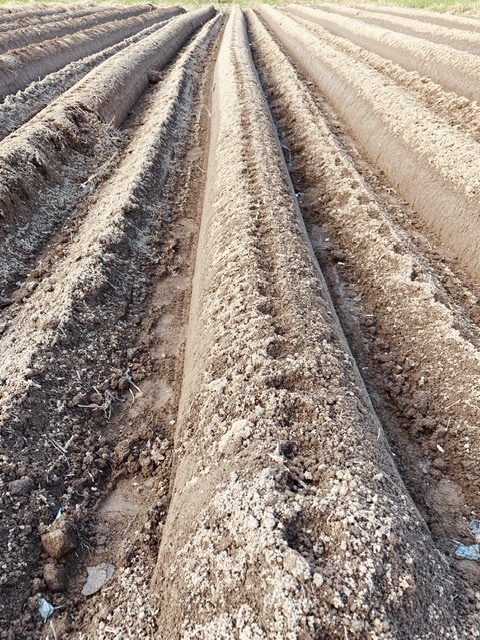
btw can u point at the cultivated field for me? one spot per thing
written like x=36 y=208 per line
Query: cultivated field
x=239 y=323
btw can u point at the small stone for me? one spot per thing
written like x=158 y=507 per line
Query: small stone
x=440 y=463
x=60 y=539
x=55 y=577
x=97 y=577
x=38 y=585
x=20 y=487
x=318 y=580
x=269 y=522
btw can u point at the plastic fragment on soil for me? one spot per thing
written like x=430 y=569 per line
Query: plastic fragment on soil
x=97 y=577
x=45 y=609
x=425 y=466
x=474 y=528
x=468 y=552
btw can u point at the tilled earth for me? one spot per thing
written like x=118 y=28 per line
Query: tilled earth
x=239 y=323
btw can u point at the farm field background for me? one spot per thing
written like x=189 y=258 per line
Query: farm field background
x=239 y=321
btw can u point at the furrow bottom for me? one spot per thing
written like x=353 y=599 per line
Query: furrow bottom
x=405 y=329
x=288 y=518
x=82 y=350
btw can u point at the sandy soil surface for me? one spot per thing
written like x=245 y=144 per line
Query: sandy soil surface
x=16 y=38
x=239 y=325
x=458 y=38
x=20 y=67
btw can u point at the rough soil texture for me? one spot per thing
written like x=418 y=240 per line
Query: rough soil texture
x=30 y=21
x=434 y=169
x=16 y=12
x=16 y=38
x=454 y=70
x=239 y=323
x=458 y=38
x=76 y=125
x=17 y=109
x=20 y=67
x=366 y=239
x=444 y=19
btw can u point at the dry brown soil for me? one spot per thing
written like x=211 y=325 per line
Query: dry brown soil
x=239 y=323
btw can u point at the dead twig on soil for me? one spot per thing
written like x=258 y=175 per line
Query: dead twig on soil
x=129 y=378
x=53 y=630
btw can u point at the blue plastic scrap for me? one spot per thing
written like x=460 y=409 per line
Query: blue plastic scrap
x=45 y=609
x=474 y=528
x=468 y=552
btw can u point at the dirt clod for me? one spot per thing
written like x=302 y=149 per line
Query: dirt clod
x=60 y=539
x=230 y=408
x=20 y=487
x=55 y=577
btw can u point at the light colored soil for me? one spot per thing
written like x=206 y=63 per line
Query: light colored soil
x=384 y=269
x=17 y=109
x=458 y=38
x=20 y=67
x=457 y=112
x=283 y=483
x=30 y=21
x=240 y=334
x=24 y=36
x=446 y=20
x=433 y=168
x=454 y=70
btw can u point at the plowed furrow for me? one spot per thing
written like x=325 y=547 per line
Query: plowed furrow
x=21 y=107
x=434 y=168
x=22 y=37
x=13 y=13
x=444 y=19
x=286 y=507
x=239 y=323
x=457 y=38
x=456 y=111
x=403 y=318
x=63 y=15
x=20 y=67
x=452 y=69
x=93 y=285
x=55 y=154
x=147 y=446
